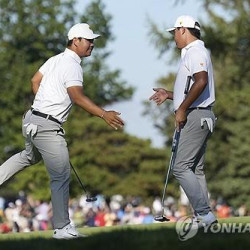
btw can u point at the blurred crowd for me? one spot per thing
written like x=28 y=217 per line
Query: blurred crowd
x=24 y=214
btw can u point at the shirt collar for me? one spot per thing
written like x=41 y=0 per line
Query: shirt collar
x=73 y=55
x=196 y=43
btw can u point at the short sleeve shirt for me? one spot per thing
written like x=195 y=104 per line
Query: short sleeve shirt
x=194 y=58
x=59 y=73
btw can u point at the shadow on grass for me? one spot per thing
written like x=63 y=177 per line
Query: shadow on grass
x=134 y=239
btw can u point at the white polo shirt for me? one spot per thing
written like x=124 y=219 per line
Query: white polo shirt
x=194 y=58
x=59 y=73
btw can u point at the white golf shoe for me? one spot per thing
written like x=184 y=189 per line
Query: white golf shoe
x=67 y=232
x=206 y=220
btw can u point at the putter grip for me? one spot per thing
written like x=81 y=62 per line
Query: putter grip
x=187 y=84
x=175 y=140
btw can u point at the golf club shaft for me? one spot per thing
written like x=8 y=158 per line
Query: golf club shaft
x=78 y=179
x=172 y=161
x=165 y=186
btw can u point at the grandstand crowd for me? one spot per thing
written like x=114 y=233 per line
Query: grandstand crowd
x=24 y=214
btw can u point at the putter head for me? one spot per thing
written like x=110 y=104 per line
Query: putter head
x=91 y=199
x=161 y=218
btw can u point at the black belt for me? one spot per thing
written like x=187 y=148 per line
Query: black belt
x=49 y=117
x=201 y=108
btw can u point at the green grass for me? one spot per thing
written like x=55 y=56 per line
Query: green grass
x=157 y=236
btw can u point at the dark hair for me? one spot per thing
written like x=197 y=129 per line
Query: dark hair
x=195 y=32
x=69 y=43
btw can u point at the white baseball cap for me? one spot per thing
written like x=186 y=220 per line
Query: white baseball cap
x=81 y=30
x=186 y=22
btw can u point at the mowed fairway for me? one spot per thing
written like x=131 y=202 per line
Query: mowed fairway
x=155 y=236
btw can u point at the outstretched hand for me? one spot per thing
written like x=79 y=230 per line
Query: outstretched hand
x=112 y=119
x=159 y=96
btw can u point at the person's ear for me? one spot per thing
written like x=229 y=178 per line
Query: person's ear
x=75 y=42
x=183 y=30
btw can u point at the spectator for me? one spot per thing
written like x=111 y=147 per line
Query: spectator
x=242 y=210
x=90 y=218
x=42 y=214
x=223 y=210
x=12 y=216
x=99 y=218
x=148 y=217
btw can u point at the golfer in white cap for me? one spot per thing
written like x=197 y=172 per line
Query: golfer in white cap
x=57 y=85
x=193 y=98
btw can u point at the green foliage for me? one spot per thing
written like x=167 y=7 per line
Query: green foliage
x=102 y=84
x=226 y=34
x=112 y=162
x=231 y=53
x=107 y=161
x=29 y=34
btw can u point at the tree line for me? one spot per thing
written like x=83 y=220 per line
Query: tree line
x=226 y=35
x=108 y=161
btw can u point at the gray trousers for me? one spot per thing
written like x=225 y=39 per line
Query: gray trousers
x=44 y=139
x=189 y=164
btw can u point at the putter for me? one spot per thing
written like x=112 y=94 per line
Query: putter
x=89 y=198
x=162 y=218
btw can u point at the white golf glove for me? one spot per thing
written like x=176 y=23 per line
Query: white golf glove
x=31 y=129
x=209 y=122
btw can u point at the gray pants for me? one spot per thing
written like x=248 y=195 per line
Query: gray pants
x=189 y=164
x=44 y=139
